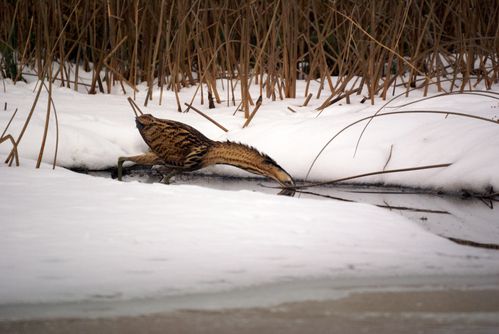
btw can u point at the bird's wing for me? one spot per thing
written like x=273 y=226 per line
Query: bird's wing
x=178 y=146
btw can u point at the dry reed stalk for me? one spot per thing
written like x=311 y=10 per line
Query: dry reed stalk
x=390 y=171
x=171 y=43
x=26 y=122
x=9 y=137
x=253 y=113
x=305 y=103
x=190 y=106
x=330 y=101
x=47 y=119
x=244 y=67
x=14 y=147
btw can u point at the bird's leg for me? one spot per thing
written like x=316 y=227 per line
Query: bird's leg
x=121 y=160
x=166 y=178
x=148 y=159
x=166 y=173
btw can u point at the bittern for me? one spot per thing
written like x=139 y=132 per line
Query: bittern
x=179 y=148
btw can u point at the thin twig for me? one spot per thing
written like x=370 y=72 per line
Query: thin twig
x=206 y=116
x=369 y=118
x=307 y=185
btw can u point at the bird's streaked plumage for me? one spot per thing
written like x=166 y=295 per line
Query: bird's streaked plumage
x=181 y=148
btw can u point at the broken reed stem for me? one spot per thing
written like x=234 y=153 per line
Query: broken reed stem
x=14 y=147
x=471 y=243
x=390 y=207
x=4 y=137
x=10 y=121
x=206 y=116
x=411 y=169
x=253 y=113
x=330 y=101
x=305 y=103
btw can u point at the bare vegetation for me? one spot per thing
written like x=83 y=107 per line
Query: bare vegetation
x=371 y=46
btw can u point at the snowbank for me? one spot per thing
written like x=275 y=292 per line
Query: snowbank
x=96 y=129
x=68 y=237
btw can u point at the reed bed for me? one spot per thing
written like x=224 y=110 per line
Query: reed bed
x=347 y=46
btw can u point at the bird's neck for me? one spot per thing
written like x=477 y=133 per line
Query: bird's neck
x=247 y=158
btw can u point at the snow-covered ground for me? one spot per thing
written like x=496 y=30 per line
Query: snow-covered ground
x=96 y=129
x=69 y=237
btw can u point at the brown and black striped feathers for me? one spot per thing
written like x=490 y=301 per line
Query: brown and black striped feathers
x=183 y=148
x=179 y=145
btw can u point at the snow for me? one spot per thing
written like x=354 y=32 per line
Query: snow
x=71 y=237
x=96 y=129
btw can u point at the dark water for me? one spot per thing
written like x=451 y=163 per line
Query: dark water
x=447 y=215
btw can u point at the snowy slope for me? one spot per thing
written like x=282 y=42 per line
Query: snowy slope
x=68 y=237
x=96 y=129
